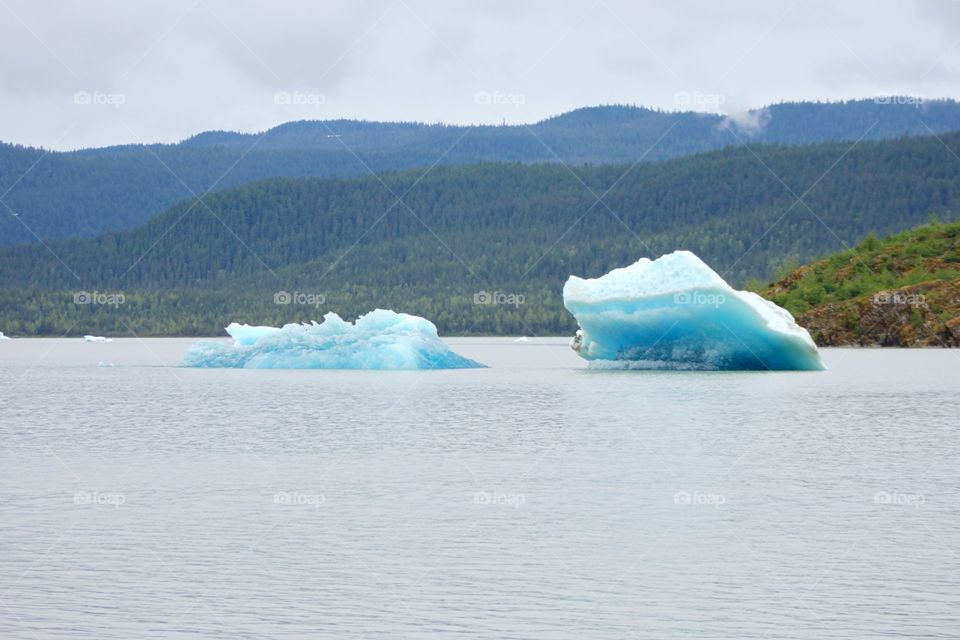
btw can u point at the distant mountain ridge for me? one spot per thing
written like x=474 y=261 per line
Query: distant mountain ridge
x=82 y=193
x=787 y=123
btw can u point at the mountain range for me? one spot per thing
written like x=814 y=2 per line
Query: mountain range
x=477 y=248
x=52 y=195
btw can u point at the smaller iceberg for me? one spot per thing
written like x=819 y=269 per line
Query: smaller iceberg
x=97 y=339
x=380 y=339
x=677 y=313
x=3 y=337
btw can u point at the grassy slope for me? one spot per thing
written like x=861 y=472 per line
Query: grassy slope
x=903 y=290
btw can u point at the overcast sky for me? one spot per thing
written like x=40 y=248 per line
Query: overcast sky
x=93 y=73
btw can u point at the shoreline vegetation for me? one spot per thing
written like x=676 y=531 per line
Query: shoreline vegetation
x=899 y=291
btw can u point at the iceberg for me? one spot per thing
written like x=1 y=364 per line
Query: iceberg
x=675 y=312
x=380 y=339
x=97 y=339
x=3 y=337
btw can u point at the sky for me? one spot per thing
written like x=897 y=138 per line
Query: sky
x=96 y=73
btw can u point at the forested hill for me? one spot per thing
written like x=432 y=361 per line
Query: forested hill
x=511 y=229
x=83 y=193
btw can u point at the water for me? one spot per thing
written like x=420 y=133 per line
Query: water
x=534 y=499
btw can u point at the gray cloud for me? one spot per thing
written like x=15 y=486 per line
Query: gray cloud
x=161 y=71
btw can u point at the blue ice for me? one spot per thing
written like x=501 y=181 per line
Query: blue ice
x=675 y=312
x=380 y=339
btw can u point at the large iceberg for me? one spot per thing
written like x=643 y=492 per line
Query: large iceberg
x=378 y=340
x=677 y=313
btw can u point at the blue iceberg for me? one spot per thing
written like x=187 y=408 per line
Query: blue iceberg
x=378 y=340
x=675 y=312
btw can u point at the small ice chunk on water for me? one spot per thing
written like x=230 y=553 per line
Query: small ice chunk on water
x=3 y=337
x=675 y=312
x=97 y=339
x=381 y=339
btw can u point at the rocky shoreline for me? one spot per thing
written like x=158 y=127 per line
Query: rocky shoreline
x=922 y=315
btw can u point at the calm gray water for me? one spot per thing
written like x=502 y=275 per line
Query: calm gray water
x=534 y=499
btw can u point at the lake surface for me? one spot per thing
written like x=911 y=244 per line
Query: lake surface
x=534 y=499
